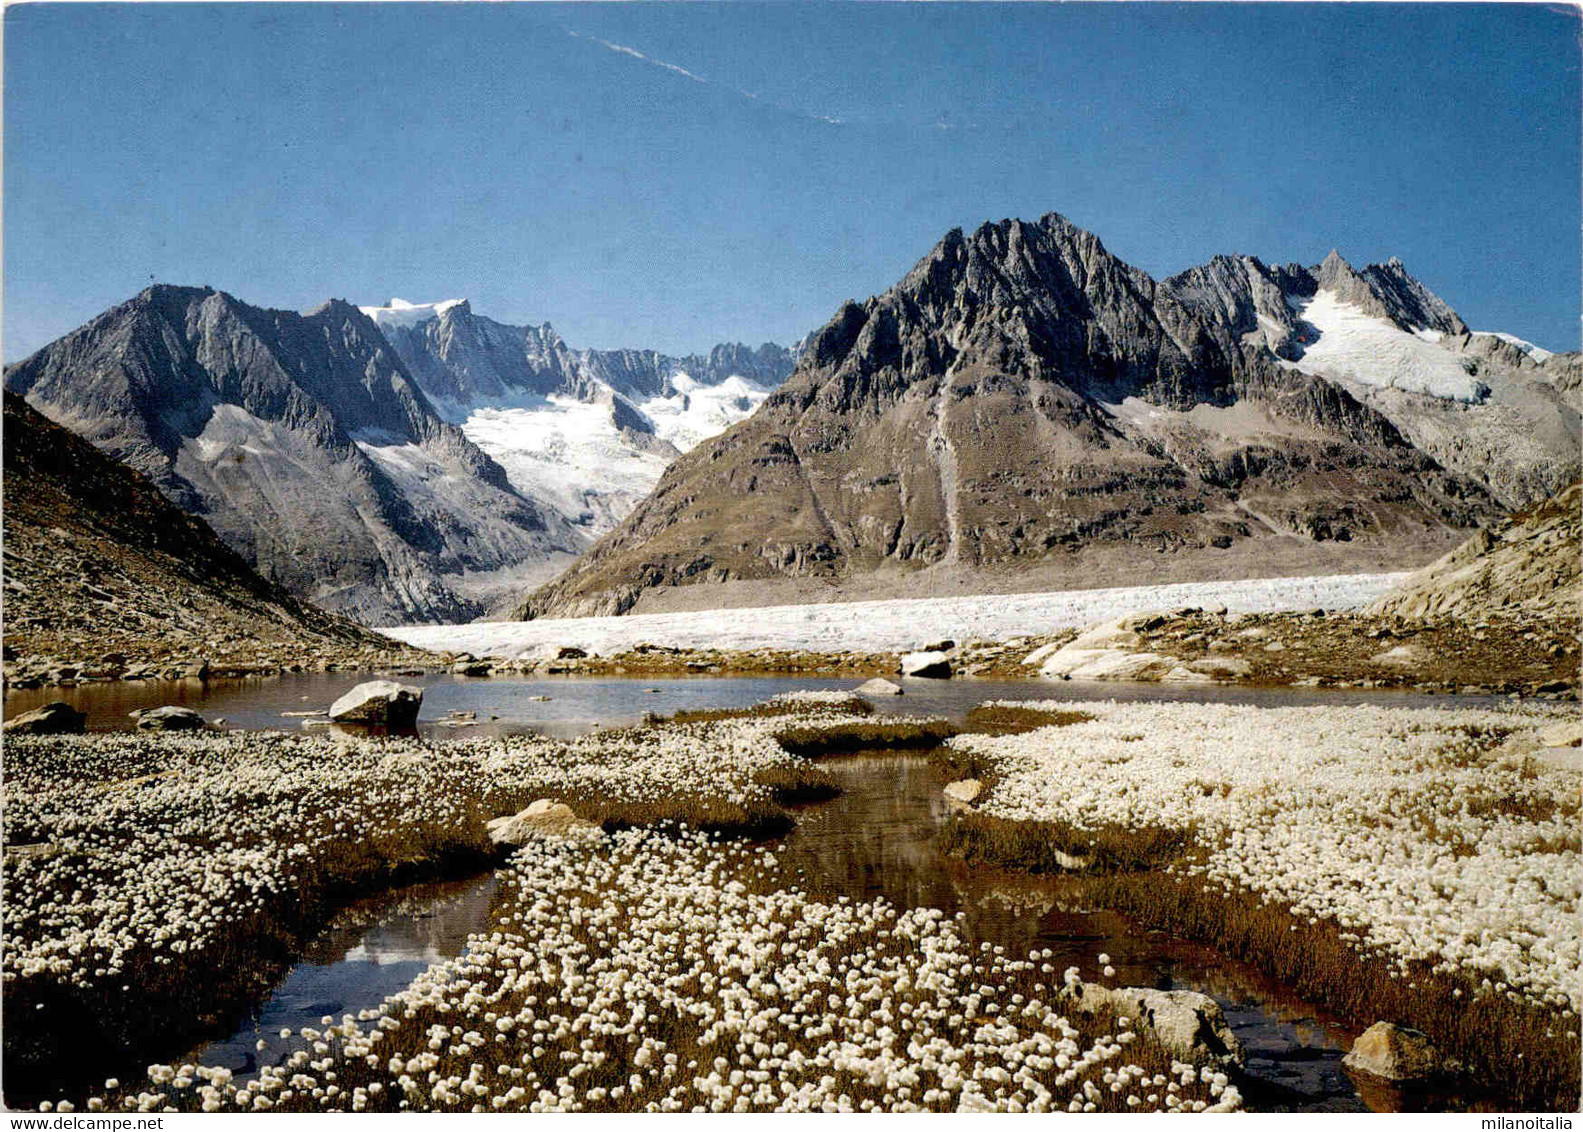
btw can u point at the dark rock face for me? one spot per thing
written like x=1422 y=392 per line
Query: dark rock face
x=52 y=719
x=304 y=442
x=1022 y=396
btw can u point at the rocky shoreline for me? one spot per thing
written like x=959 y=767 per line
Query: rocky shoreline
x=156 y=662
x=1516 y=654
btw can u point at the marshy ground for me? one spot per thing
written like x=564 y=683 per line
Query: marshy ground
x=134 y=862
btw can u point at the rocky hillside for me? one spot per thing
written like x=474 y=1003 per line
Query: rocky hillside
x=1025 y=411
x=1529 y=567
x=305 y=443
x=103 y=572
x=584 y=432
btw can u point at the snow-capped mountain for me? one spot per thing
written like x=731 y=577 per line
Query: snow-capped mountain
x=1025 y=411
x=586 y=432
x=304 y=442
x=325 y=449
x=1486 y=405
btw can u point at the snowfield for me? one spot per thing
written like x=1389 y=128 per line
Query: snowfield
x=399 y=312
x=1354 y=346
x=891 y=626
x=569 y=454
x=690 y=413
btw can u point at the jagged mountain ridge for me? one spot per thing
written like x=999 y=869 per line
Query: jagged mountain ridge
x=97 y=562
x=1484 y=405
x=305 y=443
x=1023 y=408
x=585 y=431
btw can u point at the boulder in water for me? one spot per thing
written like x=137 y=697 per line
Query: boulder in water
x=1393 y=1052
x=379 y=703
x=964 y=790
x=169 y=718
x=879 y=686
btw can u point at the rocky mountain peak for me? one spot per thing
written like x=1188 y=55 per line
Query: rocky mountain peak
x=1020 y=398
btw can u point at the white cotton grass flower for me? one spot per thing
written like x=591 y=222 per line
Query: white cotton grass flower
x=1404 y=829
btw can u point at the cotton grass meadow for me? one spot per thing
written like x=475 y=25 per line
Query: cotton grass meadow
x=155 y=881
x=666 y=971
x=1406 y=865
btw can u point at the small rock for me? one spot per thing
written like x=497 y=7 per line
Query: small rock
x=1223 y=667
x=1191 y=1026
x=879 y=686
x=197 y=671
x=1393 y=1052
x=1568 y=734
x=1401 y=656
x=52 y=719
x=964 y=790
x=939 y=646
x=379 y=703
x=544 y=817
x=470 y=668
x=1180 y=675
x=1041 y=654
x=170 y=718
x=929 y=664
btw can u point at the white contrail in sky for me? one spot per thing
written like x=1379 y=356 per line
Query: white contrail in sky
x=622 y=49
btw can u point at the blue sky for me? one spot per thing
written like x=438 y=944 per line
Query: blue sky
x=763 y=162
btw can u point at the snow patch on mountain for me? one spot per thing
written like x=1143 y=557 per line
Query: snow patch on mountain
x=1349 y=345
x=399 y=312
x=692 y=412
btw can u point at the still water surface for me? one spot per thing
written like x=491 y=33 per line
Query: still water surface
x=564 y=706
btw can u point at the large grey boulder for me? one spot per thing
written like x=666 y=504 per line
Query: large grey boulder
x=1393 y=1052
x=930 y=664
x=169 y=718
x=1110 y=650
x=52 y=719
x=379 y=703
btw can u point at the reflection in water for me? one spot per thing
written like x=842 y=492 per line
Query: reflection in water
x=878 y=839
x=372 y=950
